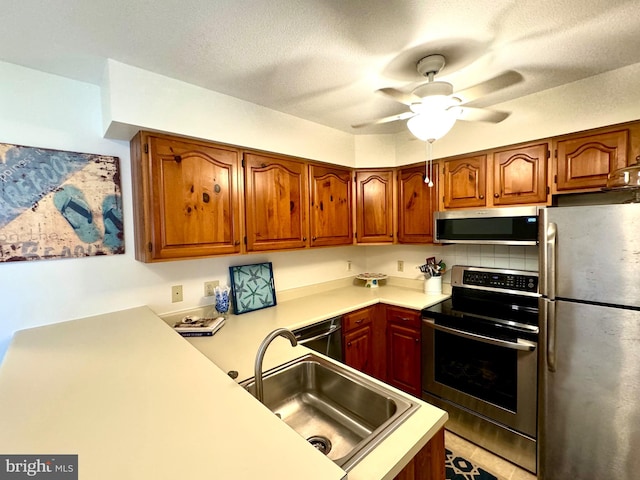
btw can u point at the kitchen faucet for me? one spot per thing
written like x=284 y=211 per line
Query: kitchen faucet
x=257 y=370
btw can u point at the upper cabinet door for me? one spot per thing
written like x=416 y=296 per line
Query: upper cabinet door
x=465 y=182
x=585 y=162
x=416 y=204
x=520 y=175
x=374 y=206
x=276 y=202
x=331 y=206
x=187 y=198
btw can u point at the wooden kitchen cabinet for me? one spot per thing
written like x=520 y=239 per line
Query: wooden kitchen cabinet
x=331 y=220
x=585 y=161
x=464 y=182
x=186 y=200
x=428 y=463
x=276 y=202
x=404 y=349
x=520 y=175
x=416 y=204
x=374 y=206
x=502 y=177
x=364 y=342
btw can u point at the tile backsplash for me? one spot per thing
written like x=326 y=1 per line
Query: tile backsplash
x=500 y=256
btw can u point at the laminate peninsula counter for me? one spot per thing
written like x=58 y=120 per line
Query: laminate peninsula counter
x=135 y=400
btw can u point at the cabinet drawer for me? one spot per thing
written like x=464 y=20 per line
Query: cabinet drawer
x=357 y=319
x=404 y=316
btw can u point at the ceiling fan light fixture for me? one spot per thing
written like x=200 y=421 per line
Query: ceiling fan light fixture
x=434 y=125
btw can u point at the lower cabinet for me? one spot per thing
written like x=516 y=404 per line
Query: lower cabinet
x=429 y=462
x=385 y=342
x=404 y=348
x=361 y=341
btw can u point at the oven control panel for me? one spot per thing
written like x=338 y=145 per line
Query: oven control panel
x=507 y=281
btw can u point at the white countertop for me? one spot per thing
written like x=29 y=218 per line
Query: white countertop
x=136 y=401
x=235 y=345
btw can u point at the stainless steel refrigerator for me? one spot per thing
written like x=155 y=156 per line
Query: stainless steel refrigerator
x=589 y=365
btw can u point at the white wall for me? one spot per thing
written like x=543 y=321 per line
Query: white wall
x=134 y=98
x=38 y=109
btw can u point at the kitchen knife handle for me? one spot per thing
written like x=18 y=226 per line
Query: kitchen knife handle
x=551 y=336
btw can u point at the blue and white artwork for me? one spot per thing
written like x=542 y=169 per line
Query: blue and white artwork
x=57 y=204
x=252 y=287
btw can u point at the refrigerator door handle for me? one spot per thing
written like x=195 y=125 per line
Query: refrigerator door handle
x=550 y=260
x=551 y=335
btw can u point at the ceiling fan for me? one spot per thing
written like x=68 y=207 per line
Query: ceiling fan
x=434 y=107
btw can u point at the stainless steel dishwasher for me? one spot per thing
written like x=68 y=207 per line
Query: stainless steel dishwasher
x=324 y=337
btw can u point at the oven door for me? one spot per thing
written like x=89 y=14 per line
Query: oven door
x=490 y=375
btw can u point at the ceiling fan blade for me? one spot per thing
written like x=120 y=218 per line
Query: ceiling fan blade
x=391 y=118
x=470 y=114
x=504 y=80
x=398 y=96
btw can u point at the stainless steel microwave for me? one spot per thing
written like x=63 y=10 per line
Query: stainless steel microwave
x=497 y=226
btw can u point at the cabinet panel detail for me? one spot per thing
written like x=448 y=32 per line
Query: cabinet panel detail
x=374 y=208
x=186 y=197
x=416 y=204
x=586 y=162
x=331 y=206
x=465 y=182
x=520 y=175
x=276 y=203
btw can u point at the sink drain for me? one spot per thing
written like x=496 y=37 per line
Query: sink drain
x=321 y=443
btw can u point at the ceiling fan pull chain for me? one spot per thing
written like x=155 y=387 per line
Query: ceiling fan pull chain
x=429 y=164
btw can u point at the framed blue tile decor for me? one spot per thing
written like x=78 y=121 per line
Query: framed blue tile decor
x=252 y=287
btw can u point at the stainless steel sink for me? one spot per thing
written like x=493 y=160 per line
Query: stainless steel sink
x=342 y=414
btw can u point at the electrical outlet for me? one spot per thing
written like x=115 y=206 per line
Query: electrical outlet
x=176 y=293
x=400 y=266
x=348 y=265
x=210 y=288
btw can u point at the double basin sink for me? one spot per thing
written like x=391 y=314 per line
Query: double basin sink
x=342 y=414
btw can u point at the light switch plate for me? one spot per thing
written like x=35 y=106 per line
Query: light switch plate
x=210 y=288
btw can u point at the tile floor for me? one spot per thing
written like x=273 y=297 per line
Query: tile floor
x=499 y=467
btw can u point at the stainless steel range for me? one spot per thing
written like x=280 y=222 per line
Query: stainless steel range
x=480 y=357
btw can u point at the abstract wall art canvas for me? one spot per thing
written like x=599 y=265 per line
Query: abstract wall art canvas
x=57 y=204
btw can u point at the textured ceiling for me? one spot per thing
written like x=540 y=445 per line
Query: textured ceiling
x=322 y=60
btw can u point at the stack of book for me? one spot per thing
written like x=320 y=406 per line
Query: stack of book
x=198 y=327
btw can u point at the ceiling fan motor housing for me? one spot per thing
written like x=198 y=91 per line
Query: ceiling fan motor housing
x=432 y=89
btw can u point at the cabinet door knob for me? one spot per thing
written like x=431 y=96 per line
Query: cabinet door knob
x=348 y=344
x=358 y=322
x=481 y=197
x=236 y=243
x=417 y=339
x=304 y=239
x=313 y=238
x=495 y=195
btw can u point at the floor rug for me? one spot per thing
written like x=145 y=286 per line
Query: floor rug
x=459 y=468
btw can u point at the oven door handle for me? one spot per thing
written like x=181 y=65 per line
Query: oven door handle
x=519 y=345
